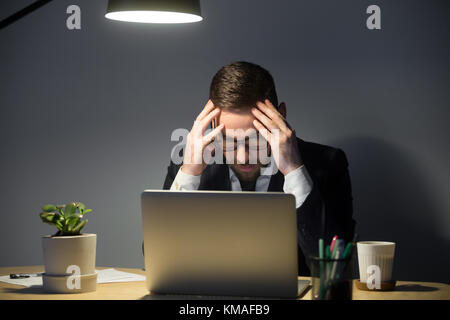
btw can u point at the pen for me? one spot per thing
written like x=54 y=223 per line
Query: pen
x=347 y=250
x=333 y=242
x=24 y=275
x=327 y=257
x=321 y=268
x=337 y=255
x=352 y=246
x=340 y=255
x=321 y=248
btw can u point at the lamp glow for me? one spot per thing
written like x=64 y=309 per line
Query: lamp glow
x=153 y=17
x=154 y=11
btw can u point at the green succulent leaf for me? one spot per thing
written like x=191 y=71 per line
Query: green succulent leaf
x=59 y=225
x=76 y=215
x=47 y=217
x=66 y=218
x=73 y=221
x=49 y=208
x=70 y=209
x=50 y=217
x=80 y=206
x=79 y=226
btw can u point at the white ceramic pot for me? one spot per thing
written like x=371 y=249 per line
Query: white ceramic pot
x=64 y=251
x=70 y=263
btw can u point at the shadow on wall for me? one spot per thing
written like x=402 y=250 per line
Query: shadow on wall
x=393 y=202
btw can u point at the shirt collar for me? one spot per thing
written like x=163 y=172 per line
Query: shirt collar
x=234 y=177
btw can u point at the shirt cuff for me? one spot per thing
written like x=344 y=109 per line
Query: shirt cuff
x=185 y=182
x=299 y=183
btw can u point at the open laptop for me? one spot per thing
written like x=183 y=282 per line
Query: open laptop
x=222 y=243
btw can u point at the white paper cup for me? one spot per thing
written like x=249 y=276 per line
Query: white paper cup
x=373 y=254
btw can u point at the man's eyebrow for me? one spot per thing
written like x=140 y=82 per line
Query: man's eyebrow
x=235 y=138
x=229 y=137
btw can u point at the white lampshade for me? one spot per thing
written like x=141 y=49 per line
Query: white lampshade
x=154 y=11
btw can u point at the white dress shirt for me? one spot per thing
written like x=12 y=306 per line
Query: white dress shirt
x=297 y=182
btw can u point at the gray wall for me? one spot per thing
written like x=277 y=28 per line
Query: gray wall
x=87 y=115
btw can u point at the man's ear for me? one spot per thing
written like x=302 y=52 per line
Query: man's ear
x=282 y=109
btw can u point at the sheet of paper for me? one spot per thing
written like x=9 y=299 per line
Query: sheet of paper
x=26 y=282
x=113 y=275
x=103 y=276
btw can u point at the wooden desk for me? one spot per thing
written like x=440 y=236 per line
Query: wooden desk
x=405 y=290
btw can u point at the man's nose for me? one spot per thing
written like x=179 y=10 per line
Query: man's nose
x=242 y=154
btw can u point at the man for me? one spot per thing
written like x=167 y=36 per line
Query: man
x=243 y=96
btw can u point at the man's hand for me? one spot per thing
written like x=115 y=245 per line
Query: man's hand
x=268 y=119
x=193 y=162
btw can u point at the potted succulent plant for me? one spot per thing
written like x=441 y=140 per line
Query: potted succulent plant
x=69 y=255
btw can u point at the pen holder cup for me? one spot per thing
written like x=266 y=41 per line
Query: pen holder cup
x=332 y=279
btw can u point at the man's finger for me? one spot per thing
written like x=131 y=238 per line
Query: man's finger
x=273 y=108
x=268 y=108
x=265 y=120
x=261 y=129
x=208 y=118
x=273 y=114
x=210 y=136
x=207 y=109
x=210 y=149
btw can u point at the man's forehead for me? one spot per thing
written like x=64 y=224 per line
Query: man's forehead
x=241 y=133
x=237 y=119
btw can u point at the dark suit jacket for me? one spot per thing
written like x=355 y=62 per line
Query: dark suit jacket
x=328 y=168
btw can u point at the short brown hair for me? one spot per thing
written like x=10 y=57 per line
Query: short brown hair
x=240 y=85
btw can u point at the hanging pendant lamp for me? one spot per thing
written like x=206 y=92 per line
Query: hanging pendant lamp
x=154 y=11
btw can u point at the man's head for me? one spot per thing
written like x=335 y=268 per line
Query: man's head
x=240 y=85
x=235 y=89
